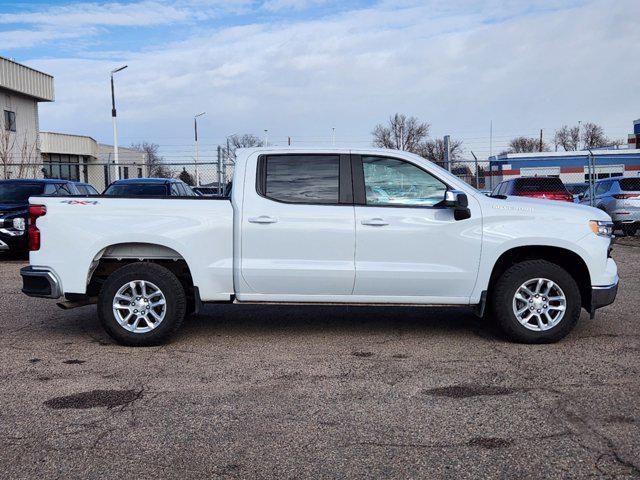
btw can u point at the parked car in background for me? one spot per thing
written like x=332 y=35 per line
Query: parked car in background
x=209 y=191
x=369 y=226
x=14 y=208
x=620 y=198
x=549 y=188
x=85 y=189
x=577 y=190
x=149 y=187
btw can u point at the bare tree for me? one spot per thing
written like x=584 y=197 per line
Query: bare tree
x=435 y=151
x=246 y=140
x=7 y=146
x=526 y=145
x=402 y=133
x=568 y=138
x=593 y=137
x=155 y=163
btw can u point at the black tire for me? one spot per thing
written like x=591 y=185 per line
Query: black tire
x=629 y=230
x=502 y=301
x=159 y=276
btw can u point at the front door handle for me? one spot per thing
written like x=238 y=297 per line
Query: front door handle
x=263 y=219
x=374 y=222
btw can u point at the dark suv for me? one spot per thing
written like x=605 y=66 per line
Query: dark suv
x=149 y=187
x=14 y=208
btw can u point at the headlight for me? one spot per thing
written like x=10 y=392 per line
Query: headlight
x=601 y=228
x=19 y=224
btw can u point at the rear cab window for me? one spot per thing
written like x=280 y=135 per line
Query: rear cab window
x=137 y=190
x=540 y=184
x=630 y=184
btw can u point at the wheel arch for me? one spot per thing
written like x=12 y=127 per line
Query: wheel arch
x=572 y=262
x=112 y=257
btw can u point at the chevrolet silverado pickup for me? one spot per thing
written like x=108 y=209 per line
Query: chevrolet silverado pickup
x=317 y=226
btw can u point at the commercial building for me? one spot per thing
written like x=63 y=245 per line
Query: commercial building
x=21 y=89
x=81 y=159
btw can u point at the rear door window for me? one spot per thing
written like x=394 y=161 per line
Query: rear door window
x=301 y=178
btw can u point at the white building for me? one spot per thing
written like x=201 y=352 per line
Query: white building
x=21 y=89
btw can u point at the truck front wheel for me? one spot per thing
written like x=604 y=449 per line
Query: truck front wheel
x=536 y=301
x=141 y=304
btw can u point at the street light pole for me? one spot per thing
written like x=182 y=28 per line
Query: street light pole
x=113 y=120
x=195 y=133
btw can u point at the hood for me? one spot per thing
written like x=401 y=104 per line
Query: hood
x=13 y=208
x=555 y=207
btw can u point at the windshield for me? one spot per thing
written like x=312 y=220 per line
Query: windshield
x=577 y=188
x=137 y=190
x=19 y=192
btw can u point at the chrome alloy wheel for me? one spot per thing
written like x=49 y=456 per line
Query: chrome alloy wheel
x=539 y=304
x=139 y=306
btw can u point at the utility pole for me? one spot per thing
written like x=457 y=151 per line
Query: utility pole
x=115 y=123
x=491 y=138
x=195 y=133
x=540 y=147
x=266 y=137
x=447 y=151
x=333 y=136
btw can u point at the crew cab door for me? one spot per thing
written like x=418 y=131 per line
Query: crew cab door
x=297 y=228
x=408 y=247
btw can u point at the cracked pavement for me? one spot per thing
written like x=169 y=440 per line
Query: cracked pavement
x=295 y=392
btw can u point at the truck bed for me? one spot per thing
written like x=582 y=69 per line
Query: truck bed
x=198 y=230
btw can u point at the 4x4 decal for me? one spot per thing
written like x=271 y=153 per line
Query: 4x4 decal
x=80 y=202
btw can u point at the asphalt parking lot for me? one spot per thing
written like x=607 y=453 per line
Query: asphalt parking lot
x=323 y=392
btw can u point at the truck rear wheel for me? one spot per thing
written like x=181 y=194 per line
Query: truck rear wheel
x=536 y=301
x=141 y=304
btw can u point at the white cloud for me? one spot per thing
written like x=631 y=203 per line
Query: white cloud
x=142 y=13
x=456 y=69
x=296 y=5
x=24 y=38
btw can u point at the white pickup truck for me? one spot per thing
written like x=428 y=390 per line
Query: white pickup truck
x=349 y=226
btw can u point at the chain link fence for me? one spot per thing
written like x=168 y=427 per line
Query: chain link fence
x=556 y=177
x=533 y=176
x=100 y=174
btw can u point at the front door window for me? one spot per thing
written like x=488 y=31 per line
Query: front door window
x=392 y=182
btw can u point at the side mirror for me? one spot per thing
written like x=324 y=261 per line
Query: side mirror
x=459 y=202
x=455 y=199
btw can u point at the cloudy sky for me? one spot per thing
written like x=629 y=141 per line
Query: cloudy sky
x=301 y=67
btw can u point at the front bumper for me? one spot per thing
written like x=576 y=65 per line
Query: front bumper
x=40 y=282
x=602 y=296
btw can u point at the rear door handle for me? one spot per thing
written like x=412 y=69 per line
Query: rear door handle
x=374 y=222
x=262 y=219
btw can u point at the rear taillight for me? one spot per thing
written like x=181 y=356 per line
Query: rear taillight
x=622 y=196
x=35 y=212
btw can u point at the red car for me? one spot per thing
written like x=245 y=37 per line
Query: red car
x=550 y=188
